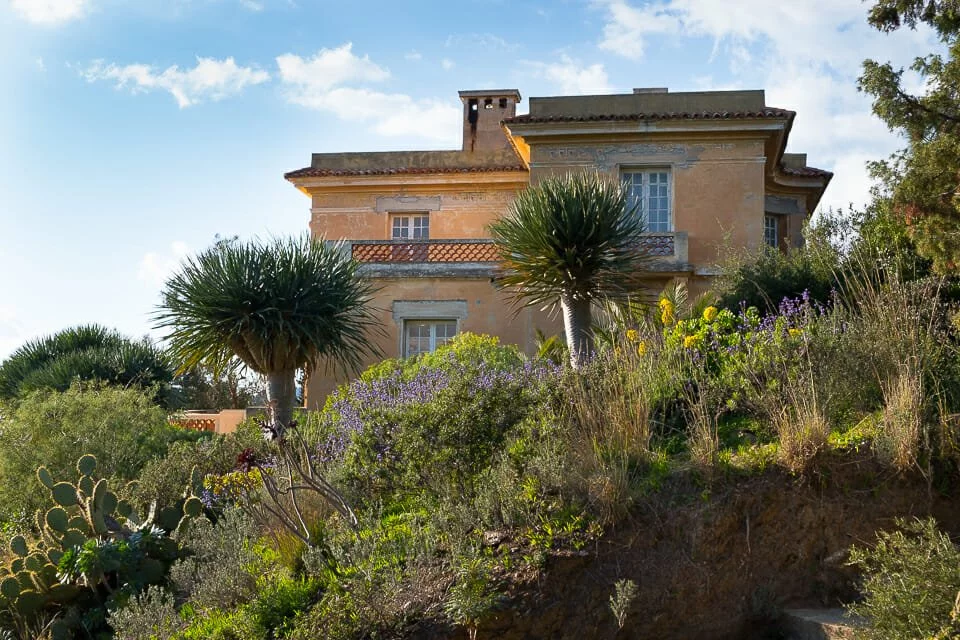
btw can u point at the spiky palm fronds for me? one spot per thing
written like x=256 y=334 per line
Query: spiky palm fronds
x=575 y=235
x=86 y=353
x=277 y=306
x=572 y=240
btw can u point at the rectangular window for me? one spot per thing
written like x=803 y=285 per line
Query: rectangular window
x=416 y=227
x=424 y=336
x=771 y=231
x=651 y=191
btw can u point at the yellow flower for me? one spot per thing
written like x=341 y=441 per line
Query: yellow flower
x=666 y=311
x=710 y=314
x=632 y=335
x=690 y=341
x=794 y=332
x=641 y=348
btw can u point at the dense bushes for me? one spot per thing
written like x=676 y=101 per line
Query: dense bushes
x=911 y=585
x=432 y=422
x=123 y=428
x=85 y=354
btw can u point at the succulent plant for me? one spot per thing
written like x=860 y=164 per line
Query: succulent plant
x=90 y=540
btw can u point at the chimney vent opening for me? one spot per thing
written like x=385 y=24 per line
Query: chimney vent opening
x=503 y=103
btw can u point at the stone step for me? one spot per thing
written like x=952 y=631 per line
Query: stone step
x=819 y=624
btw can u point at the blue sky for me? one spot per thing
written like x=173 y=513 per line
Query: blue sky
x=134 y=131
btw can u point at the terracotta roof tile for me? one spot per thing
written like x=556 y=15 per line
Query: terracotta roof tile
x=811 y=172
x=769 y=112
x=311 y=172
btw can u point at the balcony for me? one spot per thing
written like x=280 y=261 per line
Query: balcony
x=411 y=258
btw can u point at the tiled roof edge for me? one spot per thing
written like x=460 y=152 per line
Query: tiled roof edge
x=667 y=115
x=810 y=172
x=311 y=172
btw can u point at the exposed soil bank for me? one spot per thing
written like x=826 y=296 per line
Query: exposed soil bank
x=719 y=559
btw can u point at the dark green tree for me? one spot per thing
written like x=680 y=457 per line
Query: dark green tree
x=279 y=306
x=922 y=180
x=572 y=240
x=84 y=354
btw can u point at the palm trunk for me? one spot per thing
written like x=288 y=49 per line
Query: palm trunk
x=281 y=396
x=576 y=324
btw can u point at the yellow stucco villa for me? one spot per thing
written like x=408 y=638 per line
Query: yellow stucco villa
x=708 y=168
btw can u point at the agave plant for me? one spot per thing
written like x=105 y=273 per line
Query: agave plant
x=278 y=307
x=572 y=240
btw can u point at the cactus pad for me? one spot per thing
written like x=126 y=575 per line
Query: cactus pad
x=87 y=464
x=43 y=475
x=64 y=494
x=10 y=588
x=193 y=507
x=58 y=520
x=85 y=484
x=18 y=545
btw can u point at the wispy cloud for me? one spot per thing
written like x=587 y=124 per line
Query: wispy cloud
x=209 y=80
x=480 y=41
x=337 y=80
x=50 y=12
x=413 y=56
x=571 y=76
x=156 y=266
x=447 y=64
x=807 y=55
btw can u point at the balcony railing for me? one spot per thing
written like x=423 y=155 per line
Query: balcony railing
x=670 y=247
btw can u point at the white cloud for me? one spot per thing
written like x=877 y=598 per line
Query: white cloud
x=806 y=55
x=156 y=267
x=413 y=56
x=447 y=64
x=571 y=77
x=252 y=5
x=333 y=80
x=480 y=42
x=209 y=80
x=50 y=12
x=329 y=68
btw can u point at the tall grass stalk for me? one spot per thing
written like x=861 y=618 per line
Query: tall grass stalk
x=901 y=424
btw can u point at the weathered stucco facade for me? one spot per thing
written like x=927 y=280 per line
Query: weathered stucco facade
x=709 y=168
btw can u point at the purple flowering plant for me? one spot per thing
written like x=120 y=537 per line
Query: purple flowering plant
x=409 y=424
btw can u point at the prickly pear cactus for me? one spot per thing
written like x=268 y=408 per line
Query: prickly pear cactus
x=90 y=542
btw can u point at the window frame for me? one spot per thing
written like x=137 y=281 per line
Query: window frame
x=409 y=222
x=432 y=323
x=646 y=172
x=775 y=228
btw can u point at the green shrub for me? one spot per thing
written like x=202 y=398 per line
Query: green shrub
x=221 y=568
x=123 y=428
x=911 y=582
x=162 y=480
x=763 y=279
x=148 y=616
x=435 y=421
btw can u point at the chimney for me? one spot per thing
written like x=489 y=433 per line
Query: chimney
x=482 y=113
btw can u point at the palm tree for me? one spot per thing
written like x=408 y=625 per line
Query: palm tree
x=278 y=307
x=84 y=353
x=573 y=240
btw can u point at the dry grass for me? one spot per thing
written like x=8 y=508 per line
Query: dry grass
x=901 y=423
x=801 y=426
